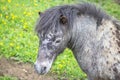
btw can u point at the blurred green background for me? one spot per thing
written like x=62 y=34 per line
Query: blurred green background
x=19 y=41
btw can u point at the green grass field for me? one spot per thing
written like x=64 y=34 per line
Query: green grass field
x=18 y=39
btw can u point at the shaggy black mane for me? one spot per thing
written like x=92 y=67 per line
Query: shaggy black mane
x=50 y=18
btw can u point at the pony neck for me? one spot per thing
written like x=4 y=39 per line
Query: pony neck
x=82 y=32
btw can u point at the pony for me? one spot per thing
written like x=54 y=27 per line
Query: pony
x=91 y=34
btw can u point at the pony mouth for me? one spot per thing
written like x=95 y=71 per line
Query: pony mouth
x=42 y=73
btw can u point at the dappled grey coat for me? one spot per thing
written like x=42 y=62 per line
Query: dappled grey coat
x=92 y=35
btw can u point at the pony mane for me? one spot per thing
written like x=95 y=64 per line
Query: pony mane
x=50 y=18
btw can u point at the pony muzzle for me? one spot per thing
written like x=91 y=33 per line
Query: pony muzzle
x=42 y=68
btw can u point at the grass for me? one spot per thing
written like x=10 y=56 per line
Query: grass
x=18 y=39
x=7 y=78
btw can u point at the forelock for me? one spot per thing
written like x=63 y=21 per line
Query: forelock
x=50 y=18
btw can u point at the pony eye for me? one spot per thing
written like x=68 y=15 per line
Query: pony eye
x=57 y=41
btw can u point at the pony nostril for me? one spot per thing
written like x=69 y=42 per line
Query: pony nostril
x=44 y=68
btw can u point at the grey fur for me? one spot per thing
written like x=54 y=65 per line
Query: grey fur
x=90 y=33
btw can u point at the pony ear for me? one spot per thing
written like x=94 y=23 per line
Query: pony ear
x=40 y=13
x=63 y=19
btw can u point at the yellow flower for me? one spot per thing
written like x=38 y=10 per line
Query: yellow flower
x=27 y=13
x=24 y=13
x=3 y=22
x=20 y=35
x=17 y=5
x=25 y=23
x=9 y=1
x=18 y=47
x=4 y=8
x=60 y=66
x=6 y=17
x=1 y=44
x=25 y=27
x=11 y=44
x=22 y=20
x=35 y=4
x=13 y=16
x=36 y=49
x=0 y=15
